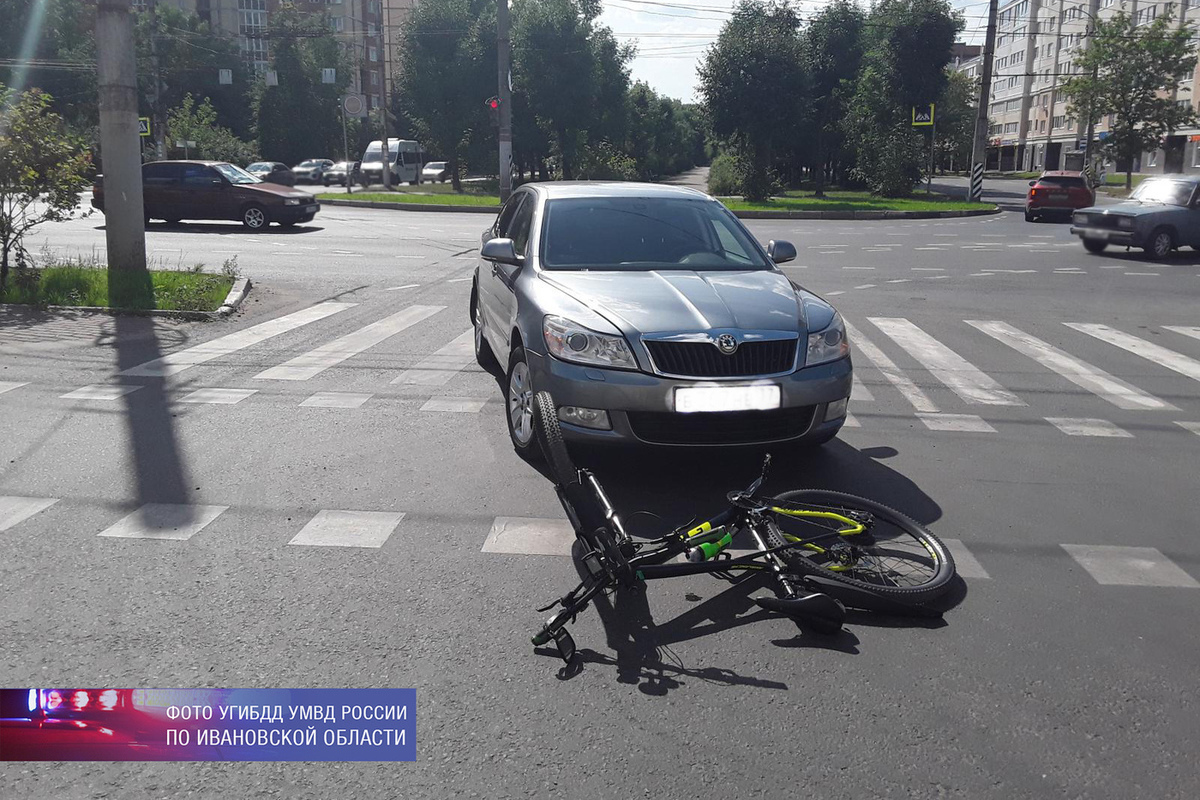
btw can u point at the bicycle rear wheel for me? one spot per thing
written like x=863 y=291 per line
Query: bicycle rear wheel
x=895 y=557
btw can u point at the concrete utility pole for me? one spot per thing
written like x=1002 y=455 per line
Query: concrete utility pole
x=158 y=115
x=1054 y=86
x=979 y=149
x=121 y=162
x=1093 y=11
x=383 y=107
x=503 y=46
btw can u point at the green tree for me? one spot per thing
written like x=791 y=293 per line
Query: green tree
x=300 y=117
x=447 y=73
x=59 y=33
x=754 y=88
x=908 y=48
x=1129 y=72
x=833 y=50
x=43 y=169
x=955 y=119
x=198 y=123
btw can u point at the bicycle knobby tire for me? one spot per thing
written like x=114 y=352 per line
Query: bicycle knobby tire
x=934 y=555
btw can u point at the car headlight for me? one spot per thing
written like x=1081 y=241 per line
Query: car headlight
x=1125 y=222
x=569 y=341
x=1079 y=219
x=291 y=201
x=829 y=344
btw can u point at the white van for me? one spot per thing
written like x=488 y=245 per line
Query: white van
x=405 y=156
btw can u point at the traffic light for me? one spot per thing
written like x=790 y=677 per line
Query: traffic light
x=493 y=106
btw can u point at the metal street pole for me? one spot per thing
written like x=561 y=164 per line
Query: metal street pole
x=121 y=161
x=346 y=150
x=979 y=148
x=504 y=68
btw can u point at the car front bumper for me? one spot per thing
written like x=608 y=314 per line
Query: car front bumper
x=302 y=213
x=1110 y=235
x=641 y=409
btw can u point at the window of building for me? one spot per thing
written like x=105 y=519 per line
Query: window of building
x=1153 y=158
x=374 y=78
x=1060 y=121
x=339 y=23
x=1196 y=154
x=372 y=54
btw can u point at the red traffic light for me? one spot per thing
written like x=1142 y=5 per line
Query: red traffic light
x=493 y=104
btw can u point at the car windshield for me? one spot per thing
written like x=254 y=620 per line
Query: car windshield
x=310 y=163
x=259 y=167
x=1175 y=193
x=235 y=174
x=639 y=234
x=436 y=165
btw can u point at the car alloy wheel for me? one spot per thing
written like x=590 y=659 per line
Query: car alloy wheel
x=520 y=404
x=1160 y=244
x=254 y=218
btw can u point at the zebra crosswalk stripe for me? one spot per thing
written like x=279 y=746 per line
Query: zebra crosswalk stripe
x=961 y=376
x=175 y=363
x=15 y=510
x=1140 y=347
x=438 y=368
x=312 y=363
x=1080 y=373
x=912 y=393
x=1112 y=565
x=1073 y=426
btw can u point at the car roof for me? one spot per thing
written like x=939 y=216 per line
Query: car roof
x=1061 y=173
x=565 y=189
x=187 y=161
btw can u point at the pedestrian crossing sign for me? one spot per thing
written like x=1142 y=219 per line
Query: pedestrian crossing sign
x=922 y=116
x=143 y=126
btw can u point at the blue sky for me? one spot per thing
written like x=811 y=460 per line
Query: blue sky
x=672 y=35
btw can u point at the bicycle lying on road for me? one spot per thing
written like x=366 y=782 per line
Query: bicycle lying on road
x=826 y=550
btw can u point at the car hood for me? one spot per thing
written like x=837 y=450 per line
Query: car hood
x=1130 y=208
x=275 y=189
x=671 y=301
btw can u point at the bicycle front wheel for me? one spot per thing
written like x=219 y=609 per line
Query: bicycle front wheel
x=895 y=556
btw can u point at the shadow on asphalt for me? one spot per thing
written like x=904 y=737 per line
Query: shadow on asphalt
x=227 y=228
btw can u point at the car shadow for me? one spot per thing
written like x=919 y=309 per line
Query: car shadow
x=227 y=228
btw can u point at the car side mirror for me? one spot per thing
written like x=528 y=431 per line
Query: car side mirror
x=501 y=251
x=780 y=251
x=1033 y=183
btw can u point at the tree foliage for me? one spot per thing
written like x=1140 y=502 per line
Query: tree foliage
x=753 y=83
x=1129 y=72
x=43 y=168
x=833 y=52
x=198 y=123
x=955 y=119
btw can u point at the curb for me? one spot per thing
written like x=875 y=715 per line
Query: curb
x=842 y=215
x=237 y=293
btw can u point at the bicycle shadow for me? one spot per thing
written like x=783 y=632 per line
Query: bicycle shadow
x=639 y=644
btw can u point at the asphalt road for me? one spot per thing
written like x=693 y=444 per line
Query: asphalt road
x=1067 y=669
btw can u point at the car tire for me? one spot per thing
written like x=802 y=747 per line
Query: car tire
x=483 y=351
x=255 y=218
x=1159 y=244
x=518 y=407
x=1030 y=216
x=1095 y=245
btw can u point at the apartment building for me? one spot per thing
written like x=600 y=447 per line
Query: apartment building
x=358 y=24
x=1037 y=43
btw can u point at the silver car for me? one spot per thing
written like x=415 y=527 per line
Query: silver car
x=652 y=316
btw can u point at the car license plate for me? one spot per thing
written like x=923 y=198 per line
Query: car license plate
x=690 y=399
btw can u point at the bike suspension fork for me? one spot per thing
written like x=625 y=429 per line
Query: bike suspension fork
x=777 y=567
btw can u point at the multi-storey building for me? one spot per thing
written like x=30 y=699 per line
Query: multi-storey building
x=1037 y=44
x=358 y=24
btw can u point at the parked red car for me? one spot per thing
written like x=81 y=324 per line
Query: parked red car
x=1057 y=192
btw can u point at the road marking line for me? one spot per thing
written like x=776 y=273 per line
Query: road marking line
x=458 y=280
x=305 y=366
x=438 y=368
x=348 y=529
x=224 y=397
x=860 y=392
x=961 y=376
x=858 y=268
x=1112 y=565
x=8 y=386
x=866 y=286
x=961 y=423
x=176 y=522
x=1183 y=330
x=462 y=405
x=851 y=422
x=965 y=563
x=336 y=400
x=937 y=277
x=14 y=509
x=99 y=391
x=1155 y=274
x=1194 y=427
x=405 y=286
x=1012 y=271
x=912 y=393
x=1078 y=372
x=1083 y=426
x=833 y=294
x=224 y=345
x=939 y=249
x=901 y=280
x=928 y=269
x=530 y=536
x=1140 y=347
x=946 y=234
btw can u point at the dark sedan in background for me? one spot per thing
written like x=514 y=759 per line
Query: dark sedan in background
x=337 y=174
x=652 y=316
x=273 y=172
x=1160 y=215
x=179 y=190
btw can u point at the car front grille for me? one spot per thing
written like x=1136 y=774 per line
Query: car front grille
x=1103 y=220
x=704 y=360
x=726 y=427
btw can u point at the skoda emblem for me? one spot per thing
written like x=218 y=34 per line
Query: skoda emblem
x=727 y=344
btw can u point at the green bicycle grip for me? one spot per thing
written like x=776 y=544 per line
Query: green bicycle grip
x=709 y=550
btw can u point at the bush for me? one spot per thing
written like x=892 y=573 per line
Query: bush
x=723 y=179
x=603 y=162
x=890 y=161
